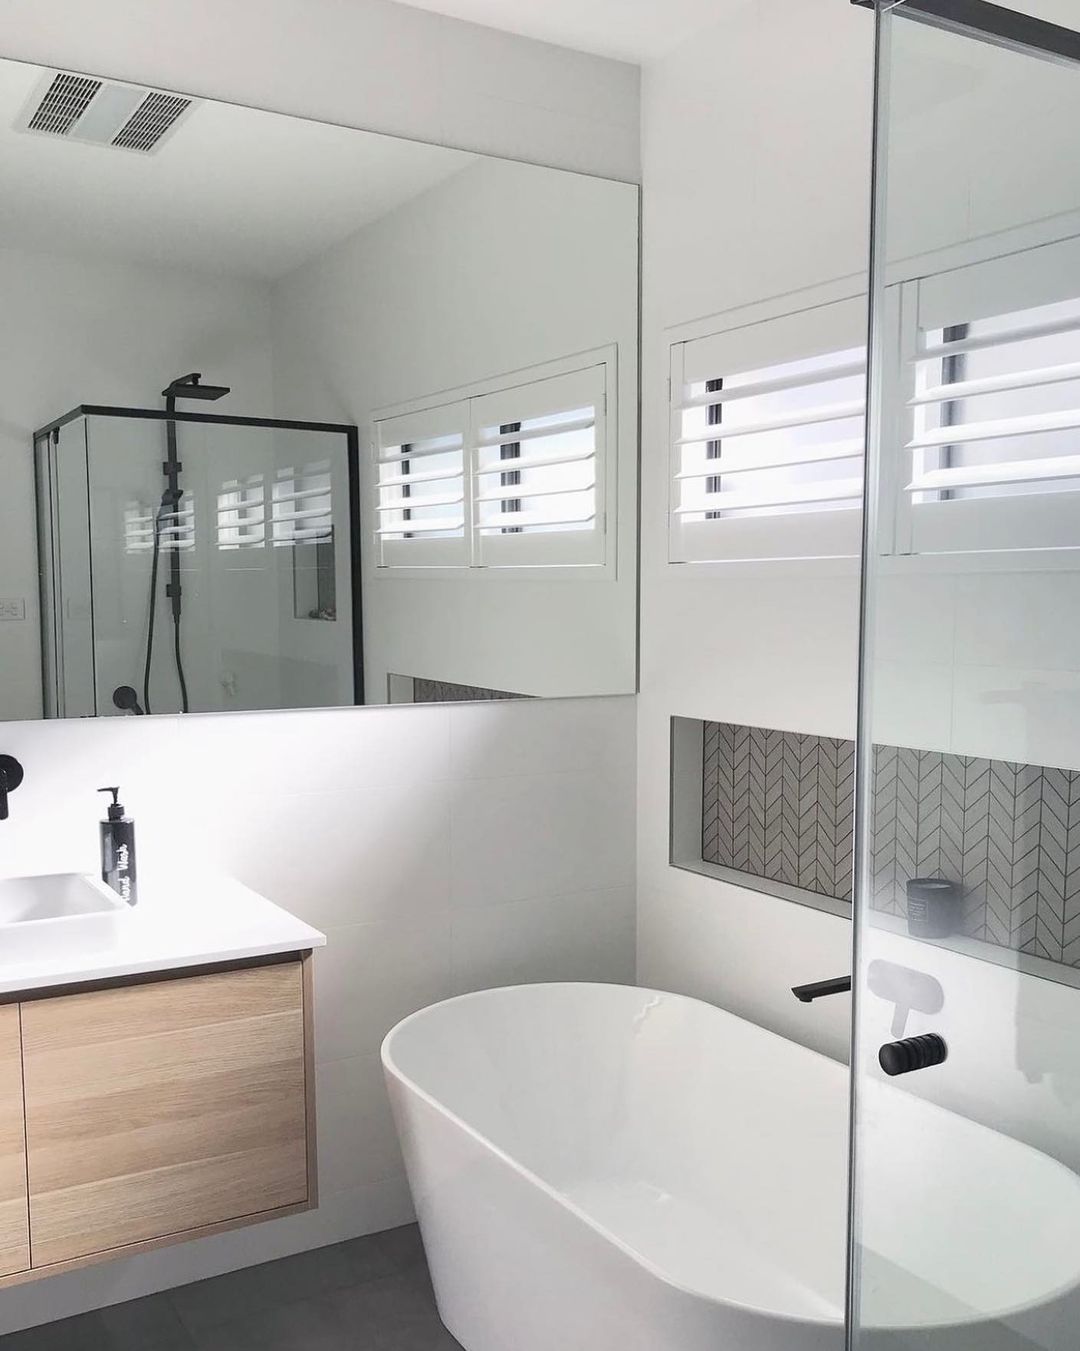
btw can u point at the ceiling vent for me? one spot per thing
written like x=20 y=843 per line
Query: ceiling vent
x=103 y=112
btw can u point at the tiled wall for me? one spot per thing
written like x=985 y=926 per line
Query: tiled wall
x=446 y=692
x=779 y=805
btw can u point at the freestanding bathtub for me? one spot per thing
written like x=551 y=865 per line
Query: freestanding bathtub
x=605 y=1168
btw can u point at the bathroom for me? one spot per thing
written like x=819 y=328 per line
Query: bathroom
x=517 y=1061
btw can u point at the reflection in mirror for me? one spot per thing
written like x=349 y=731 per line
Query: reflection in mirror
x=295 y=415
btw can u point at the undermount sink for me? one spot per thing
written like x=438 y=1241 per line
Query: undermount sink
x=40 y=917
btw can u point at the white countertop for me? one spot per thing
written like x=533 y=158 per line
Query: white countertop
x=182 y=924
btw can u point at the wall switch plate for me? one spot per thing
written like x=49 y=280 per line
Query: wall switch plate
x=14 y=608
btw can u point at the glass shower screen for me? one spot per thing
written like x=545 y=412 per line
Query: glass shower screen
x=966 y=1141
x=237 y=595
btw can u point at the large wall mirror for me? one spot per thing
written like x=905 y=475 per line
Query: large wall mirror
x=296 y=416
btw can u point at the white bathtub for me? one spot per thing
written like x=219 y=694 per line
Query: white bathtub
x=603 y=1168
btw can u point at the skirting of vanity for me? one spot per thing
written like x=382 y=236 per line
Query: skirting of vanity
x=162 y=1104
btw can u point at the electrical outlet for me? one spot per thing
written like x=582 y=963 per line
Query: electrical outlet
x=14 y=608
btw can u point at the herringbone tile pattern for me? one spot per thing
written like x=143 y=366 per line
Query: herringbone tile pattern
x=779 y=805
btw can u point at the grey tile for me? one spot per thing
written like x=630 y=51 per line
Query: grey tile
x=403 y=1248
x=273 y=1285
x=141 y=1325
x=302 y=1325
x=780 y=805
x=396 y=1313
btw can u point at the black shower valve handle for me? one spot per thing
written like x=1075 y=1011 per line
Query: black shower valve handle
x=913 y=1053
x=11 y=775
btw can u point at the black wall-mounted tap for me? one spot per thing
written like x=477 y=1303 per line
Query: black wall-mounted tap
x=808 y=993
x=11 y=775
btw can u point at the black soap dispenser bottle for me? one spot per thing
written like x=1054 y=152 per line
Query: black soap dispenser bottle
x=118 y=850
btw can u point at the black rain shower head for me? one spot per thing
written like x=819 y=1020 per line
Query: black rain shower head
x=191 y=387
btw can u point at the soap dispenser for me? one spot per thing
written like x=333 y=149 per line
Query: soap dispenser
x=118 y=850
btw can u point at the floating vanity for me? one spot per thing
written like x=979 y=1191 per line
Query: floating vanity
x=156 y=1069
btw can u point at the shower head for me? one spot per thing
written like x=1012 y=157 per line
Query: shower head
x=191 y=387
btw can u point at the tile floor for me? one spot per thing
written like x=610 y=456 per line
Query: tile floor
x=370 y=1294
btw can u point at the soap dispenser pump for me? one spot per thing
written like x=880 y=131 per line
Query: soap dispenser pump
x=118 y=850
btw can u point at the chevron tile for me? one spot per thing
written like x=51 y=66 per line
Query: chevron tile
x=780 y=805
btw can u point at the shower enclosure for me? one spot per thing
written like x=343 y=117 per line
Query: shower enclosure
x=968 y=853
x=196 y=562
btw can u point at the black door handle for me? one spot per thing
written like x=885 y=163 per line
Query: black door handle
x=913 y=1053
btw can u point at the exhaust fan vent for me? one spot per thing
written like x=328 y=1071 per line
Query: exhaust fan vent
x=102 y=112
x=150 y=121
x=65 y=101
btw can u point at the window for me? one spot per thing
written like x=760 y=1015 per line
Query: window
x=420 y=462
x=511 y=477
x=989 y=432
x=768 y=429
x=297 y=505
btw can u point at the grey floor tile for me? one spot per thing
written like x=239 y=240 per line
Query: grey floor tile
x=304 y=1325
x=141 y=1325
x=368 y=1258
x=150 y=1324
x=273 y=1285
x=402 y=1247
x=395 y=1313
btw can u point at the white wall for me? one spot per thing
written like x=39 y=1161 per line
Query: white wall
x=76 y=331
x=452 y=847
x=756 y=184
x=500 y=268
x=776 y=102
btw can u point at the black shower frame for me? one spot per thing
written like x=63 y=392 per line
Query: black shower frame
x=352 y=450
x=994 y=23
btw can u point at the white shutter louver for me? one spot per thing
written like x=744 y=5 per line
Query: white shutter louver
x=507 y=476
x=538 y=470
x=421 y=509
x=768 y=434
x=991 y=424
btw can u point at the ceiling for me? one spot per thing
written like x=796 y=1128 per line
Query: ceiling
x=642 y=30
x=629 y=30
x=231 y=191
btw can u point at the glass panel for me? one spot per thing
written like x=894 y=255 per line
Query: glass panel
x=262 y=523
x=966 y=1195
x=64 y=547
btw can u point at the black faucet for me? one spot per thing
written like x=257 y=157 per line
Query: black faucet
x=11 y=775
x=808 y=993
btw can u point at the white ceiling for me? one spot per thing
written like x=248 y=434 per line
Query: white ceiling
x=232 y=190
x=629 y=30
x=642 y=30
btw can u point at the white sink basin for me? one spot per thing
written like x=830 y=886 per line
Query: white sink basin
x=61 y=913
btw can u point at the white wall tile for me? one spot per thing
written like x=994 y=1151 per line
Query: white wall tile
x=542 y=736
x=587 y=936
x=535 y=835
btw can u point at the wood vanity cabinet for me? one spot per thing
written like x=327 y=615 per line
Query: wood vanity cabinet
x=159 y=1111
x=14 y=1215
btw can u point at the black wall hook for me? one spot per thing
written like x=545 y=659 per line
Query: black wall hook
x=11 y=775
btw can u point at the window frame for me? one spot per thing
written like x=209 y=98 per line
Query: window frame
x=1009 y=525
x=498 y=557
x=765 y=335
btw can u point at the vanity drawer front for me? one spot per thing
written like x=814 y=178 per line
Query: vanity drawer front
x=14 y=1231
x=156 y=1109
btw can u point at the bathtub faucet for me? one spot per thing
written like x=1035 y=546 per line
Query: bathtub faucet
x=808 y=993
